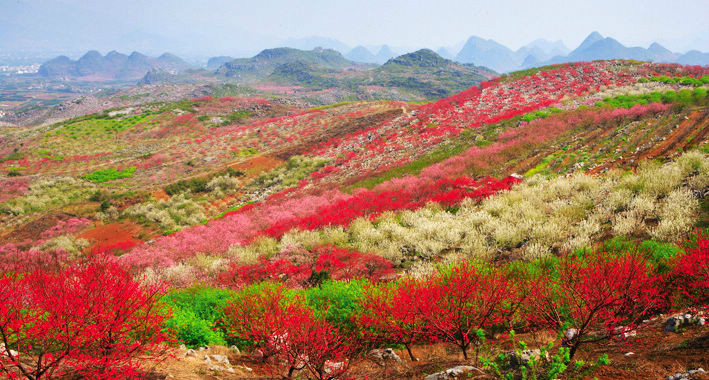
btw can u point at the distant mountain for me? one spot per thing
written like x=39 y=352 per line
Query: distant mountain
x=661 y=54
x=157 y=75
x=114 y=66
x=551 y=48
x=422 y=74
x=595 y=47
x=385 y=53
x=430 y=74
x=586 y=43
x=420 y=58
x=265 y=62
x=488 y=53
x=361 y=54
x=694 y=57
x=214 y=62
x=310 y=43
x=445 y=53
x=608 y=48
x=542 y=52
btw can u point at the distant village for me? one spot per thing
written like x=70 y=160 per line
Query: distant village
x=21 y=69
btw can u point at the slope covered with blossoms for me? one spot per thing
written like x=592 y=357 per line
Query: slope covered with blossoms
x=308 y=237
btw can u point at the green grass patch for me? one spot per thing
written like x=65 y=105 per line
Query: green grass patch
x=236 y=117
x=542 y=167
x=109 y=174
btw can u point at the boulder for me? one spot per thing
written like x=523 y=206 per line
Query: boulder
x=570 y=334
x=522 y=358
x=452 y=373
x=674 y=323
x=386 y=354
x=221 y=359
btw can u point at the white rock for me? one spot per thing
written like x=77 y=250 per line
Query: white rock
x=191 y=353
x=629 y=353
x=570 y=334
x=451 y=373
x=222 y=359
x=216 y=368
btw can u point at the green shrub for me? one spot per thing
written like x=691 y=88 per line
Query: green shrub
x=195 y=312
x=236 y=117
x=199 y=184
x=288 y=175
x=699 y=93
x=109 y=174
x=339 y=300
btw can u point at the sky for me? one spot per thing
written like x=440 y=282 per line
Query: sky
x=215 y=27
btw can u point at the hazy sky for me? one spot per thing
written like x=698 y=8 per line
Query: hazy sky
x=222 y=26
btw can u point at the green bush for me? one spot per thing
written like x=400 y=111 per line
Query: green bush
x=685 y=96
x=660 y=254
x=699 y=93
x=109 y=174
x=195 y=312
x=236 y=117
x=199 y=184
x=288 y=175
x=338 y=299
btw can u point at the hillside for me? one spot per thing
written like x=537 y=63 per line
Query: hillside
x=548 y=221
x=92 y=66
x=419 y=75
x=263 y=64
x=433 y=75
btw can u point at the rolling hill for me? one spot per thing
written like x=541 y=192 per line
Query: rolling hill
x=264 y=63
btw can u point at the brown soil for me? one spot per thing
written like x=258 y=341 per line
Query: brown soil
x=109 y=234
x=257 y=164
x=694 y=125
x=31 y=231
x=160 y=195
x=656 y=354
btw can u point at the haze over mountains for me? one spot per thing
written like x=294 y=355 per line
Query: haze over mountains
x=112 y=66
x=476 y=51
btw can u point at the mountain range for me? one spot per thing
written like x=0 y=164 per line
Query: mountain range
x=112 y=66
x=496 y=56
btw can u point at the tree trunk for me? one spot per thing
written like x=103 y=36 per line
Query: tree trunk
x=411 y=355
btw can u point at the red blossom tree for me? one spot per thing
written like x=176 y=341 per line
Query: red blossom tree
x=692 y=272
x=90 y=320
x=598 y=293
x=465 y=301
x=291 y=338
x=394 y=314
